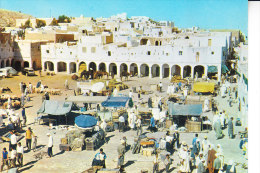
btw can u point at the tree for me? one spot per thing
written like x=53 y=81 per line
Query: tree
x=27 y=24
x=40 y=23
x=54 y=22
x=64 y=19
x=130 y=103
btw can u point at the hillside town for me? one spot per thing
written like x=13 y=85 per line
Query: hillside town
x=122 y=94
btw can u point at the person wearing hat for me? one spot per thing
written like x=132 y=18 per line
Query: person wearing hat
x=205 y=145
x=121 y=154
x=230 y=128
x=28 y=137
x=217 y=163
x=50 y=145
x=185 y=163
x=13 y=141
x=176 y=139
x=201 y=167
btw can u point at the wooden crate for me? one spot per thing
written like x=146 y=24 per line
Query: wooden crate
x=64 y=140
x=90 y=146
x=64 y=147
x=193 y=126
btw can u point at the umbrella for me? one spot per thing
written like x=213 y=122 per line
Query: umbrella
x=85 y=121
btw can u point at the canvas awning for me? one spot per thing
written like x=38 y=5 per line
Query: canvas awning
x=115 y=102
x=212 y=69
x=85 y=121
x=52 y=107
x=184 y=110
x=224 y=69
x=204 y=87
x=87 y=99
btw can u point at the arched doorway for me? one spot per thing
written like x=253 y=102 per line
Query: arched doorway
x=102 y=67
x=133 y=69
x=72 y=67
x=2 y=64
x=112 y=68
x=26 y=64
x=156 y=43
x=165 y=70
x=12 y=63
x=155 y=70
x=92 y=66
x=17 y=65
x=7 y=63
x=123 y=68
x=176 y=70
x=144 y=70
x=62 y=67
x=82 y=67
x=187 y=71
x=48 y=66
x=199 y=69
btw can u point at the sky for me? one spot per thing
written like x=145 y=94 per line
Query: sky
x=207 y=14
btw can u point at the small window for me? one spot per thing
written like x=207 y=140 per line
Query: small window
x=60 y=51
x=149 y=53
x=93 y=50
x=70 y=53
x=180 y=52
x=84 y=49
x=212 y=53
x=109 y=53
x=47 y=51
x=167 y=54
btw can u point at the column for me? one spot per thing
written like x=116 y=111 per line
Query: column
x=118 y=70
x=182 y=71
x=206 y=71
x=139 y=71
x=170 y=72
x=192 y=72
x=150 y=72
x=55 y=67
x=68 y=68
x=161 y=72
x=107 y=67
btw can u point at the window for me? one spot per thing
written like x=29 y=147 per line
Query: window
x=209 y=42
x=70 y=53
x=167 y=54
x=149 y=53
x=93 y=50
x=212 y=53
x=84 y=49
x=47 y=51
x=180 y=52
x=197 y=56
x=109 y=53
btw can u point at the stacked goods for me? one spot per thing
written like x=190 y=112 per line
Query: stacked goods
x=95 y=141
x=177 y=79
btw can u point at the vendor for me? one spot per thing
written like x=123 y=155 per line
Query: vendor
x=99 y=159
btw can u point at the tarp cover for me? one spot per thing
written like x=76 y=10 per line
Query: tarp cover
x=212 y=69
x=204 y=87
x=184 y=110
x=85 y=121
x=115 y=102
x=52 y=107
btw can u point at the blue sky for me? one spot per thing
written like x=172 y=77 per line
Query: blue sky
x=215 y=14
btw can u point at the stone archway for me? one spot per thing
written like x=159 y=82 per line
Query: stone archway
x=73 y=67
x=165 y=70
x=199 y=69
x=26 y=64
x=62 y=66
x=123 y=68
x=133 y=69
x=155 y=70
x=112 y=69
x=102 y=67
x=48 y=66
x=187 y=71
x=17 y=66
x=176 y=70
x=2 y=64
x=7 y=63
x=144 y=70
x=82 y=67
x=92 y=66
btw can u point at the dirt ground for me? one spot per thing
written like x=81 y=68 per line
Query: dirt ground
x=80 y=161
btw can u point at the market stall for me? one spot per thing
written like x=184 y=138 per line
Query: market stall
x=204 y=87
x=186 y=115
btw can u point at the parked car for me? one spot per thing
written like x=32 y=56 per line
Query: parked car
x=28 y=72
x=11 y=71
x=4 y=73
